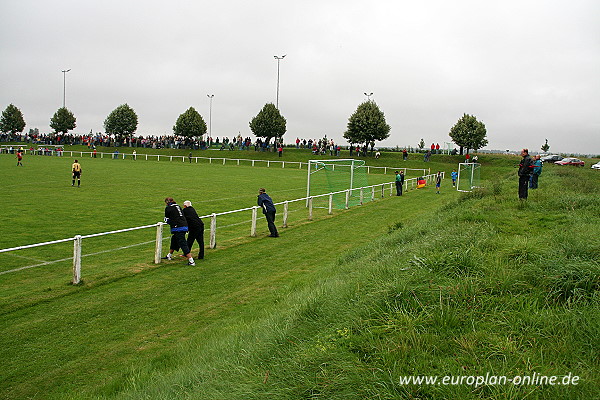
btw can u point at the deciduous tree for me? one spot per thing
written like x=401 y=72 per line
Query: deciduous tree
x=121 y=122
x=469 y=133
x=63 y=121
x=268 y=123
x=190 y=124
x=12 y=120
x=367 y=125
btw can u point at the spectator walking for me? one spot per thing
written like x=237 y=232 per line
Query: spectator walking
x=266 y=203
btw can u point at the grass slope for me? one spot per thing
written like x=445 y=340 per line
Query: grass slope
x=129 y=313
x=338 y=308
x=486 y=285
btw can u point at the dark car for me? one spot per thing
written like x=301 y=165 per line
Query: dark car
x=551 y=158
x=571 y=161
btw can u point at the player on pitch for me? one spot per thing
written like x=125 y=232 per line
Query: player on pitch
x=76 y=169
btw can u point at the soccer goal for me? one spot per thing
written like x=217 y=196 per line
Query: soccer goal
x=468 y=177
x=327 y=176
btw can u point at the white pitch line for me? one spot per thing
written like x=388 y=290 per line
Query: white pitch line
x=70 y=258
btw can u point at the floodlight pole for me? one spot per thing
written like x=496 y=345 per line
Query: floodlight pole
x=278 y=59
x=65 y=85
x=368 y=95
x=210 y=96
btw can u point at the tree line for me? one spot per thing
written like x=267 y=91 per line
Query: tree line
x=365 y=127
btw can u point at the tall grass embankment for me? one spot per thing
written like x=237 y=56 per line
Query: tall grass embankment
x=488 y=285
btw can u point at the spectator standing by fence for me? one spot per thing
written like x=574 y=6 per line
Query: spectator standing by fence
x=266 y=203
x=195 y=228
x=399 y=182
x=176 y=220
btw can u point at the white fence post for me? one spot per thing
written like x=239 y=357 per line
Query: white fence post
x=372 y=193
x=362 y=196
x=213 y=231
x=310 y=208
x=285 y=214
x=253 y=227
x=348 y=198
x=330 y=210
x=158 y=245
x=76 y=259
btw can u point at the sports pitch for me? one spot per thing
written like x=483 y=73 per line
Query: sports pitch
x=120 y=194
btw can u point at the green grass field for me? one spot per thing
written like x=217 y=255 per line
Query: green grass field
x=338 y=308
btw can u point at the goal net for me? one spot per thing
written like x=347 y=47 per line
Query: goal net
x=327 y=176
x=468 y=177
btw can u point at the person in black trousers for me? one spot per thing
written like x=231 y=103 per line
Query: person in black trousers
x=266 y=203
x=399 y=182
x=525 y=171
x=175 y=218
x=195 y=228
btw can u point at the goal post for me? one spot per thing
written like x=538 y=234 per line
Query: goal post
x=327 y=176
x=468 y=177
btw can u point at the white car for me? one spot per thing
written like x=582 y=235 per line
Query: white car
x=596 y=166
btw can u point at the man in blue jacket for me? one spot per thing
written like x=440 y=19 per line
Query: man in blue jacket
x=268 y=208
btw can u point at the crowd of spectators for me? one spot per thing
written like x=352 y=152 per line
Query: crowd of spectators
x=321 y=146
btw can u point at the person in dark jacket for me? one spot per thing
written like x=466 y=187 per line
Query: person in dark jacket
x=266 y=203
x=525 y=171
x=195 y=228
x=399 y=182
x=176 y=220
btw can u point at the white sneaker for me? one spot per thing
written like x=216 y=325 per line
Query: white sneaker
x=191 y=263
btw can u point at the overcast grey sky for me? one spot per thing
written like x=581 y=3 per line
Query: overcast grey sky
x=530 y=70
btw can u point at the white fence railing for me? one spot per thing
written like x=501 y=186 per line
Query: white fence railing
x=211 y=160
x=366 y=193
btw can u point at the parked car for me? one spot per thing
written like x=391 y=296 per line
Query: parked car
x=596 y=166
x=571 y=161
x=551 y=158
